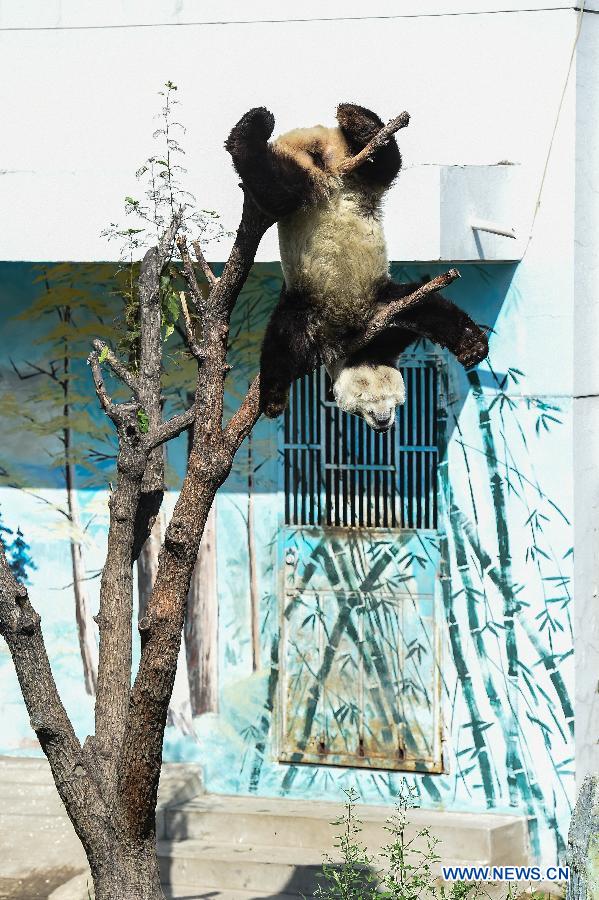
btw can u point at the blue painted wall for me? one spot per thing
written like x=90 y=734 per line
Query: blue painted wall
x=505 y=536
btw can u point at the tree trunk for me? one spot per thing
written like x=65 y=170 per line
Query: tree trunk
x=201 y=625
x=147 y=566
x=85 y=624
x=583 y=843
x=131 y=873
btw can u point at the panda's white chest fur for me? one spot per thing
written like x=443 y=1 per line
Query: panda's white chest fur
x=335 y=252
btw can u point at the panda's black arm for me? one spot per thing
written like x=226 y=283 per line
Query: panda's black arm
x=277 y=184
x=359 y=125
x=287 y=352
x=435 y=318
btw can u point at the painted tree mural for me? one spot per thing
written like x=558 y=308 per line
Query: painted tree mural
x=17 y=550
x=54 y=408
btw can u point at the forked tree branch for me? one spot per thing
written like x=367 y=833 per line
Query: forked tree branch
x=204 y=265
x=20 y=628
x=120 y=370
x=190 y=275
x=133 y=505
x=189 y=331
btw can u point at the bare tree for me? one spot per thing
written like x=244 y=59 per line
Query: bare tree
x=109 y=785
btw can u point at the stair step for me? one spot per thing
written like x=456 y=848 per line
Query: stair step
x=258 y=821
x=81 y=888
x=261 y=871
x=210 y=893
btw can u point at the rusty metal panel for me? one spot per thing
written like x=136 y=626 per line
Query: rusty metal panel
x=360 y=661
x=360 y=664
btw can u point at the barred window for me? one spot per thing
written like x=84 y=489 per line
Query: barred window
x=339 y=472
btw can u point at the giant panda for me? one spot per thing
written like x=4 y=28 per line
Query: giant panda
x=334 y=262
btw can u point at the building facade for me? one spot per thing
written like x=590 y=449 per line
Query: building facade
x=366 y=608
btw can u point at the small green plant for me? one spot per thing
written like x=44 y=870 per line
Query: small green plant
x=163 y=198
x=403 y=869
x=355 y=877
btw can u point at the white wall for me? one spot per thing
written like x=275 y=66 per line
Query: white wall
x=79 y=79
x=586 y=403
x=79 y=83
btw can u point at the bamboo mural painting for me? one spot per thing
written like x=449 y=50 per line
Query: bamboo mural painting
x=442 y=654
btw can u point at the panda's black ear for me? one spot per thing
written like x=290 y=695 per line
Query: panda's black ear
x=359 y=125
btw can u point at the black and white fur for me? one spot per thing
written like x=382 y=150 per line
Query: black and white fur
x=334 y=261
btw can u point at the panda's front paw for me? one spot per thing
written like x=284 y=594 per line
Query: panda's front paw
x=474 y=350
x=274 y=403
x=256 y=125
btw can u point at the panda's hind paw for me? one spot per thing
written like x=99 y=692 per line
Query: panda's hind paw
x=256 y=125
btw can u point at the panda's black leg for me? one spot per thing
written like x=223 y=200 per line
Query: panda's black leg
x=444 y=323
x=287 y=353
x=359 y=125
x=276 y=183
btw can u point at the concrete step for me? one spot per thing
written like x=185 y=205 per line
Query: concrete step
x=257 y=821
x=260 y=870
x=210 y=893
x=81 y=888
x=38 y=842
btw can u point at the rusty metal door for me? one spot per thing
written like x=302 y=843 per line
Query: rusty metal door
x=359 y=563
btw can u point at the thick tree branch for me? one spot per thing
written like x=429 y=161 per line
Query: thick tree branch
x=106 y=403
x=395 y=308
x=20 y=628
x=244 y=419
x=189 y=331
x=133 y=508
x=115 y=411
x=204 y=265
x=121 y=371
x=172 y=428
x=379 y=140
x=190 y=276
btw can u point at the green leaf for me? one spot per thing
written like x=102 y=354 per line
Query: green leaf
x=143 y=421
x=103 y=353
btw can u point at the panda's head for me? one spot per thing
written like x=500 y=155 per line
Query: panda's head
x=372 y=392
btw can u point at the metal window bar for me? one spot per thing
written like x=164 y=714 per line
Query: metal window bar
x=339 y=472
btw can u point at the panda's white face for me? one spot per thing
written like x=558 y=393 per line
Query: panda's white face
x=371 y=392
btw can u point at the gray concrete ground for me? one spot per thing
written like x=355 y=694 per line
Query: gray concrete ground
x=243 y=848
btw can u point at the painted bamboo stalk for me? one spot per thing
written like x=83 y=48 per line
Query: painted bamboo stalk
x=547 y=659
x=253 y=572
x=464 y=677
x=505 y=565
x=83 y=616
